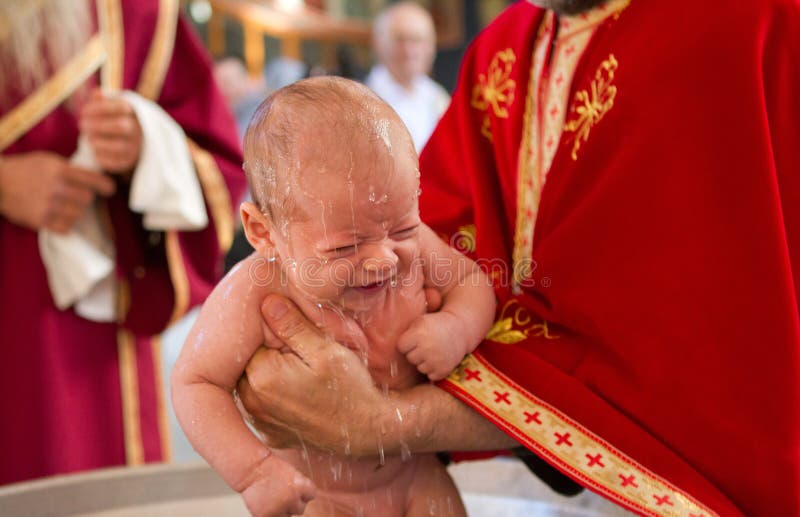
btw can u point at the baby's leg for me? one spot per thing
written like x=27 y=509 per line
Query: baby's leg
x=432 y=492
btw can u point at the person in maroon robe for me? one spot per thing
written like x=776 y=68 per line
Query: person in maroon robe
x=628 y=172
x=81 y=380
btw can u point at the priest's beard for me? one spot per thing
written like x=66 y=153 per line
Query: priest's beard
x=567 y=6
x=36 y=38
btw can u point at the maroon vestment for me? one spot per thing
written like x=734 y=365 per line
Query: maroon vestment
x=63 y=379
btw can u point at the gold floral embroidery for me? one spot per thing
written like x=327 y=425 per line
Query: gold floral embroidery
x=590 y=107
x=494 y=89
x=464 y=239
x=514 y=315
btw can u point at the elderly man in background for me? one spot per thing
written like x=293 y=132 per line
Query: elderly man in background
x=119 y=160
x=404 y=40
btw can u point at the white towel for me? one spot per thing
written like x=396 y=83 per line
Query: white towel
x=164 y=188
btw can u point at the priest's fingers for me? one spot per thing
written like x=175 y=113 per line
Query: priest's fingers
x=124 y=125
x=98 y=183
x=71 y=194
x=258 y=384
x=103 y=105
x=116 y=155
x=291 y=327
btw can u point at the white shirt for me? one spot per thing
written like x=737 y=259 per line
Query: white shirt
x=420 y=108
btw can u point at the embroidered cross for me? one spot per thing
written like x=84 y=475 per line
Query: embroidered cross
x=628 y=480
x=563 y=438
x=662 y=500
x=472 y=374
x=502 y=397
x=532 y=417
x=595 y=460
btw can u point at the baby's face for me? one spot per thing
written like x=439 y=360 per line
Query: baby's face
x=359 y=236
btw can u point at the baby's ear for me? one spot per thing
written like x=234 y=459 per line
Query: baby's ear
x=257 y=228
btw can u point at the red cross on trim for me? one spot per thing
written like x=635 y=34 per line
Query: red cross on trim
x=663 y=500
x=595 y=460
x=550 y=142
x=472 y=374
x=628 y=480
x=532 y=417
x=570 y=50
x=563 y=438
x=559 y=79
x=553 y=112
x=502 y=397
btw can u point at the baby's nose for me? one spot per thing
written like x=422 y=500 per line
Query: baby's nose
x=380 y=259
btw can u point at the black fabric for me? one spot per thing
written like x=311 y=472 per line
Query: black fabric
x=553 y=478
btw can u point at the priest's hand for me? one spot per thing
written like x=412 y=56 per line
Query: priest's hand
x=314 y=390
x=113 y=131
x=42 y=190
x=317 y=392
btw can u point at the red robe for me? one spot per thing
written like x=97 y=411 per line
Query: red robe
x=60 y=375
x=652 y=353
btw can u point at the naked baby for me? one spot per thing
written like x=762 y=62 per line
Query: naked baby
x=336 y=228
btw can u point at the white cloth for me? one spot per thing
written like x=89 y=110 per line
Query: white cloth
x=420 y=108
x=164 y=187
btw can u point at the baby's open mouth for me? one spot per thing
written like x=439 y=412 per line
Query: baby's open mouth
x=374 y=286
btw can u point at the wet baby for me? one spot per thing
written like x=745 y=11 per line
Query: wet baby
x=336 y=228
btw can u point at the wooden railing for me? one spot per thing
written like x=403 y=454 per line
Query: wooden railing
x=290 y=27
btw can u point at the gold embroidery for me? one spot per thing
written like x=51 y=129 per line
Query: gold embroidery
x=570 y=446
x=589 y=108
x=161 y=400
x=52 y=93
x=216 y=194
x=109 y=15
x=529 y=179
x=129 y=385
x=178 y=275
x=464 y=239
x=503 y=330
x=494 y=89
x=159 y=56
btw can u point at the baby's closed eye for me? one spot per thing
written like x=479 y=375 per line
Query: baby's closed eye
x=405 y=233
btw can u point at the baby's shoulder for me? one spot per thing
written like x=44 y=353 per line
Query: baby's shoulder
x=253 y=278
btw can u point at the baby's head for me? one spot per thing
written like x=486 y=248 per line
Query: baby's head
x=334 y=178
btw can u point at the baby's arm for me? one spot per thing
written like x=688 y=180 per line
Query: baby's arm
x=225 y=335
x=438 y=341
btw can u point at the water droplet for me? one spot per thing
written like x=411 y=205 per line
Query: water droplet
x=432 y=506
x=336 y=470
x=405 y=452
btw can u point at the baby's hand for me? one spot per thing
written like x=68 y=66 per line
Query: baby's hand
x=434 y=344
x=278 y=489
